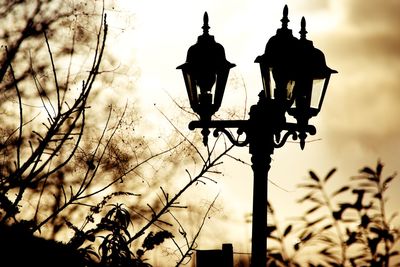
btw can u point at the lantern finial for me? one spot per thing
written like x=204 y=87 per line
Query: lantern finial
x=285 y=18
x=303 y=30
x=205 y=24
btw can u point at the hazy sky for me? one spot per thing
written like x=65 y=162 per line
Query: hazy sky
x=359 y=122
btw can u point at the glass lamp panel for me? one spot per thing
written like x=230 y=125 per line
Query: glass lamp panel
x=219 y=89
x=271 y=83
x=266 y=75
x=191 y=90
x=317 y=91
x=289 y=89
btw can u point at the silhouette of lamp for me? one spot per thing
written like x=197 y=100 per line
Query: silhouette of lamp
x=295 y=79
x=205 y=73
x=294 y=73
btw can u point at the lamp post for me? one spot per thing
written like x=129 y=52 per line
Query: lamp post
x=295 y=78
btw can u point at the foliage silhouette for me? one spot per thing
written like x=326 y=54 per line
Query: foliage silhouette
x=348 y=226
x=60 y=155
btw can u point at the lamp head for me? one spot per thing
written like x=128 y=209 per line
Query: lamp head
x=205 y=73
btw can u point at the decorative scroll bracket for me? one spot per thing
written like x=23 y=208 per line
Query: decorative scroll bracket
x=243 y=127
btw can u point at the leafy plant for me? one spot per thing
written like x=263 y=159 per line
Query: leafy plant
x=346 y=226
x=61 y=152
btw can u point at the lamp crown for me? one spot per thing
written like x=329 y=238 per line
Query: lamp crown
x=285 y=20
x=303 y=32
x=205 y=26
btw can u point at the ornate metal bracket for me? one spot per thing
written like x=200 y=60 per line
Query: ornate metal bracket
x=243 y=127
x=222 y=126
x=279 y=142
x=296 y=132
x=234 y=141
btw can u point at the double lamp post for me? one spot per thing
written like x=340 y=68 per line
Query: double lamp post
x=295 y=78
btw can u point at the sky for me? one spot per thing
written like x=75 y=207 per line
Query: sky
x=359 y=122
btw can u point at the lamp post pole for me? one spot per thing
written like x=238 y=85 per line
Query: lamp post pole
x=261 y=147
x=295 y=79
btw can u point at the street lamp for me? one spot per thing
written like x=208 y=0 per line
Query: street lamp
x=295 y=78
x=205 y=73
